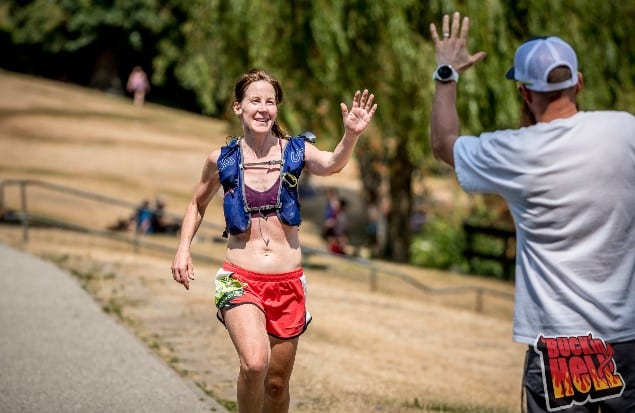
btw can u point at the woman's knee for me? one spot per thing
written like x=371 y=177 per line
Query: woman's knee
x=254 y=366
x=277 y=387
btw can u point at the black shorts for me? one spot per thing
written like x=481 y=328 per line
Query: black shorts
x=579 y=375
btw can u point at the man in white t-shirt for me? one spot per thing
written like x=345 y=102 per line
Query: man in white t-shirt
x=568 y=177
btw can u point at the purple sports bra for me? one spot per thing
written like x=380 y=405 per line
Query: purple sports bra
x=262 y=203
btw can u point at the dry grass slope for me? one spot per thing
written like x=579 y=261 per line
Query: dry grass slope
x=393 y=350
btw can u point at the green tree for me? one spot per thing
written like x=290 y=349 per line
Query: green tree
x=86 y=35
x=323 y=50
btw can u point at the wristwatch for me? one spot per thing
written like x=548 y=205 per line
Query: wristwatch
x=445 y=73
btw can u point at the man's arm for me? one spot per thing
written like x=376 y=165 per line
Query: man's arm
x=444 y=122
x=450 y=50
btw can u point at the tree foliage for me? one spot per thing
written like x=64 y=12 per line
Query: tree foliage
x=323 y=50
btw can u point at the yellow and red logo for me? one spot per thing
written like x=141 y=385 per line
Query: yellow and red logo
x=577 y=370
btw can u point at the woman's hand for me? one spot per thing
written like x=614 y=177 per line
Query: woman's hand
x=182 y=269
x=357 y=119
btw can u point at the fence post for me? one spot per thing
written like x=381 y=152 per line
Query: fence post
x=136 y=239
x=2 y=185
x=373 y=278
x=478 y=307
x=25 y=215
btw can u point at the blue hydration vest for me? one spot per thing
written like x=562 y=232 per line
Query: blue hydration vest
x=230 y=170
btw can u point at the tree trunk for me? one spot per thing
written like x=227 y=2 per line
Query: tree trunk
x=105 y=76
x=398 y=230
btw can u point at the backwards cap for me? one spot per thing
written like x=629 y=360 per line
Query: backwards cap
x=536 y=58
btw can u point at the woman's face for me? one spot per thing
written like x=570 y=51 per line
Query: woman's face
x=258 y=109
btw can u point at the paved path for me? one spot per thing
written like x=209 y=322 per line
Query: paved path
x=60 y=353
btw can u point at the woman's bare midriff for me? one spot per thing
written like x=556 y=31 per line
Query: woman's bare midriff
x=268 y=247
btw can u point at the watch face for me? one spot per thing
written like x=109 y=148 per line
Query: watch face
x=444 y=72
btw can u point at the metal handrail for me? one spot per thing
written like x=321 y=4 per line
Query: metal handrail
x=374 y=269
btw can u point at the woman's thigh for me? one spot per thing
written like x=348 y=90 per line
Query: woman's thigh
x=245 y=324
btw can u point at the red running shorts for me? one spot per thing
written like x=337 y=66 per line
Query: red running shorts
x=281 y=297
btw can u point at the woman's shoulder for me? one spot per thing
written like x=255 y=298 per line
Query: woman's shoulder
x=214 y=154
x=231 y=144
x=213 y=157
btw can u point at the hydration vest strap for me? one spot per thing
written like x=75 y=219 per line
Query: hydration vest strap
x=273 y=162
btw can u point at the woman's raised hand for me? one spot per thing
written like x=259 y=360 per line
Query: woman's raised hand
x=357 y=119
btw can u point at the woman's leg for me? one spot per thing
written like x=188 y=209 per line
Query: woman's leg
x=246 y=326
x=139 y=98
x=277 y=394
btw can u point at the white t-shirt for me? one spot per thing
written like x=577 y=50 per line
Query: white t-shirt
x=570 y=186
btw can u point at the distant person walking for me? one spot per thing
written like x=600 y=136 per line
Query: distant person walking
x=138 y=84
x=568 y=177
x=260 y=289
